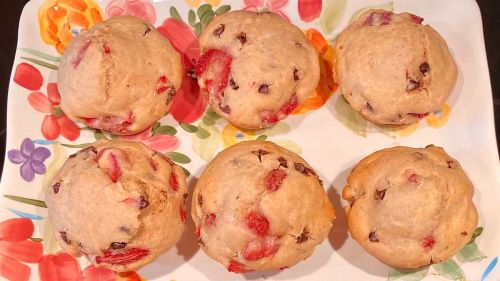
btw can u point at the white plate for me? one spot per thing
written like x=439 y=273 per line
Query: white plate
x=332 y=139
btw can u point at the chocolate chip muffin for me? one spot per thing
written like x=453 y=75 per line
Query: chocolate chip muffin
x=410 y=207
x=120 y=76
x=118 y=203
x=256 y=67
x=392 y=68
x=259 y=206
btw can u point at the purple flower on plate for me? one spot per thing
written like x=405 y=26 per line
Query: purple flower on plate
x=30 y=158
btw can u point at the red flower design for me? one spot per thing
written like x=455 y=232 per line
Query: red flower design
x=55 y=122
x=309 y=10
x=140 y=8
x=161 y=143
x=28 y=76
x=274 y=6
x=16 y=248
x=189 y=104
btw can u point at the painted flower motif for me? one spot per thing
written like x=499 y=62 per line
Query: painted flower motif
x=326 y=86
x=309 y=10
x=161 y=143
x=55 y=122
x=15 y=248
x=275 y=6
x=63 y=266
x=30 y=158
x=140 y=8
x=61 y=20
x=28 y=76
x=189 y=103
x=196 y=3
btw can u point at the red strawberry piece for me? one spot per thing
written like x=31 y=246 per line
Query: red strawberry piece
x=28 y=76
x=283 y=268
x=257 y=223
x=197 y=232
x=274 y=179
x=414 y=178
x=121 y=258
x=108 y=160
x=183 y=214
x=110 y=123
x=80 y=54
x=378 y=18
x=269 y=117
x=419 y=115
x=236 y=267
x=260 y=248
x=209 y=219
x=174 y=184
x=164 y=86
x=416 y=19
x=215 y=66
x=105 y=48
x=290 y=106
x=428 y=242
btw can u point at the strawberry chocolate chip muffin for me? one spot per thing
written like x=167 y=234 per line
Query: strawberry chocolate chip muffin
x=258 y=206
x=121 y=76
x=118 y=203
x=256 y=67
x=392 y=68
x=410 y=207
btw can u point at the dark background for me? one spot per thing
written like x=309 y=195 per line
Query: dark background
x=10 y=11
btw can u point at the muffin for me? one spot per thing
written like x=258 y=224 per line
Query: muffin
x=120 y=76
x=392 y=69
x=258 y=206
x=256 y=67
x=410 y=207
x=118 y=203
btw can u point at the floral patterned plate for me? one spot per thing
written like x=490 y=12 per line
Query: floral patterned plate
x=324 y=130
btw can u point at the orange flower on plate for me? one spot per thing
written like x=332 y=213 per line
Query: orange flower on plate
x=61 y=20
x=15 y=248
x=326 y=86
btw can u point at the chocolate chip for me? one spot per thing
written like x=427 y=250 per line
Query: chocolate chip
x=242 y=37
x=299 y=167
x=124 y=229
x=373 y=237
x=412 y=85
x=379 y=194
x=200 y=200
x=185 y=197
x=451 y=164
x=118 y=245
x=424 y=67
x=191 y=73
x=298 y=44
x=225 y=109
x=260 y=153
x=200 y=241
x=56 y=186
x=233 y=84
x=143 y=203
x=263 y=89
x=64 y=237
x=369 y=106
x=295 y=74
x=146 y=31
x=304 y=236
x=283 y=162
x=464 y=233
x=219 y=30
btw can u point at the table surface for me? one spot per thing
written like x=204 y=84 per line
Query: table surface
x=10 y=12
